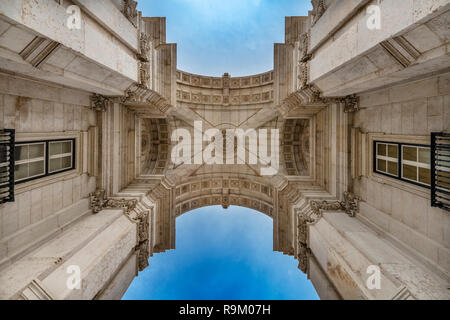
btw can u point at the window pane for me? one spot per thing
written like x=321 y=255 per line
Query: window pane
x=393 y=168
x=393 y=151
x=21 y=171
x=410 y=153
x=424 y=155
x=55 y=148
x=425 y=176
x=21 y=153
x=381 y=149
x=66 y=162
x=36 y=150
x=36 y=168
x=67 y=147
x=55 y=164
x=410 y=172
x=381 y=165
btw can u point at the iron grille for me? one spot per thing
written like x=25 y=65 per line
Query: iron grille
x=7 y=165
x=440 y=170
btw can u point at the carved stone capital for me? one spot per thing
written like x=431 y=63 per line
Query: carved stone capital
x=129 y=10
x=318 y=206
x=351 y=103
x=99 y=102
x=350 y=204
x=97 y=202
x=144 y=45
x=319 y=9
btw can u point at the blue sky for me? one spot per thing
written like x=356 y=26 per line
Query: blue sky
x=217 y=36
x=224 y=255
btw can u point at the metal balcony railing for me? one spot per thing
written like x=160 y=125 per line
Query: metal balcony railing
x=7 y=137
x=440 y=170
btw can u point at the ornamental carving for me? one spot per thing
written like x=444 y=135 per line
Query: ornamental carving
x=96 y=200
x=351 y=103
x=144 y=44
x=143 y=255
x=312 y=213
x=142 y=220
x=319 y=9
x=99 y=102
x=304 y=47
x=130 y=11
x=97 y=203
x=349 y=205
x=144 y=74
x=303 y=75
x=303 y=256
x=303 y=63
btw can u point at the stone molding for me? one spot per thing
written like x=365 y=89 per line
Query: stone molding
x=39 y=50
x=36 y=291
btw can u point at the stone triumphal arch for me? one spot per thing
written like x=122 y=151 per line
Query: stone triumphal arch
x=87 y=113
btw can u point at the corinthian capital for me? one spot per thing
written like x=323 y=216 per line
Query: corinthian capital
x=99 y=102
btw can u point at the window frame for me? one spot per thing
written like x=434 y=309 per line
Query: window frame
x=47 y=158
x=399 y=161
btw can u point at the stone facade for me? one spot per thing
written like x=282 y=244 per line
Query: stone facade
x=337 y=87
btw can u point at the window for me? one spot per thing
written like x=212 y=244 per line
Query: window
x=406 y=162
x=416 y=164
x=42 y=158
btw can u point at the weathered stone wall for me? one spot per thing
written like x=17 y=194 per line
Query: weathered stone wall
x=405 y=113
x=39 y=111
